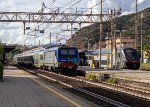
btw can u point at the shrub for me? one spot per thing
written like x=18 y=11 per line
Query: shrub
x=113 y=80
x=1 y=71
x=145 y=66
x=93 y=76
x=88 y=76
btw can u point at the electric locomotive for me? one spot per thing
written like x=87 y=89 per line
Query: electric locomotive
x=132 y=58
x=61 y=59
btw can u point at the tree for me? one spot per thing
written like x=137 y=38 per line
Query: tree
x=16 y=51
x=147 y=49
x=1 y=49
x=1 y=52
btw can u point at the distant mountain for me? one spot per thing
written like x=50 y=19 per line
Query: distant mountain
x=126 y=22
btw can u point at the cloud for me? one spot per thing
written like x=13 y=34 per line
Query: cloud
x=13 y=32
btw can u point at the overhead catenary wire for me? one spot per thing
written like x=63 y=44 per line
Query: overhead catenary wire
x=64 y=11
x=67 y=9
x=68 y=3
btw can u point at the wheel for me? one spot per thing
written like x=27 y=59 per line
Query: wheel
x=49 y=68
x=74 y=71
x=52 y=69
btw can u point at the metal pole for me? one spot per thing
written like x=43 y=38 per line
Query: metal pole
x=136 y=29
x=79 y=28
x=115 y=50
x=107 y=50
x=111 y=39
x=24 y=25
x=39 y=43
x=50 y=38
x=88 y=52
x=71 y=36
x=100 y=42
x=120 y=50
x=57 y=38
x=141 y=38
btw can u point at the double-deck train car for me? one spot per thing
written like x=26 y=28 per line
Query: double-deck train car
x=54 y=58
x=129 y=58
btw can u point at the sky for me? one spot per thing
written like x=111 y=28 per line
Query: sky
x=12 y=33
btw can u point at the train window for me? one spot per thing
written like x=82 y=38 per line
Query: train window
x=131 y=53
x=71 y=51
x=63 y=52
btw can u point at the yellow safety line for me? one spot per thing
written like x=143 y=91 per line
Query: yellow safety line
x=62 y=96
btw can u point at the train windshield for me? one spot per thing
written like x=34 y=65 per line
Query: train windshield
x=131 y=54
x=68 y=52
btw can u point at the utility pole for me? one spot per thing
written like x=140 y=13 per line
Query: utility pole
x=50 y=38
x=111 y=39
x=120 y=49
x=79 y=28
x=39 y=43
x=115 y=50
x=100 y=41
x=142 y=37
x=71 y=35
x=24 y=25
x=136 y=25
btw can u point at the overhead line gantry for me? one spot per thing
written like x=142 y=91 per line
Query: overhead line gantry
x=32 y=17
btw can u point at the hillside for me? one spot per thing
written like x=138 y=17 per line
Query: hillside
x=126 y=22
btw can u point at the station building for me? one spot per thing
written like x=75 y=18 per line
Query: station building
x=126 y=42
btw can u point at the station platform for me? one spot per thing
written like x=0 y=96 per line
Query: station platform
x=21 y=89
x=126 y=74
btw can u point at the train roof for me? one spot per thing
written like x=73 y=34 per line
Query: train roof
x=31 y=52
x=57 y=47
x=106 y=51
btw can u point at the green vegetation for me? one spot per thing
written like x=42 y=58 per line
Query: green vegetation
x=90 y=76
x=145 y=66
x=1 y=71
x=112 y=80
x=1 y=65
x=147 y=49
x=16 y=51
x=1 y=52
x=104 y=78
x=1 y=49
x=93 y=76
x=126 y=22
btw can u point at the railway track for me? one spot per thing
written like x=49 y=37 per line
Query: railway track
x=105 y=92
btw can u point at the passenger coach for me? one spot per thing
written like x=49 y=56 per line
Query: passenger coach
x=129 y=58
